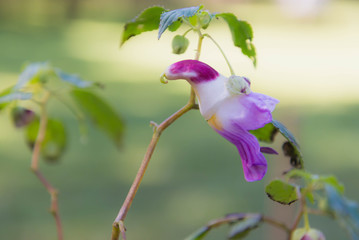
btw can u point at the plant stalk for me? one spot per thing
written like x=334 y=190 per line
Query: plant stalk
x=118 y=227
x=35 y=162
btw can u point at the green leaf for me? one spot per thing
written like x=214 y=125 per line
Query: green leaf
x=101 y=114
x=281 y=192
x=179 y=44
x=241 y=229
x=332 y=181
x=73 y=79
x=54 y=142
x=266 y=133
x=14 y=96
x=242 y=35
x=290 y=148
x=4 y=92
x=174 y=26
x=344 y=210
x=33 y=73
x=301 y=173
x=168 y=18
x=148 y=20
x=199 y=234
x=285 y=132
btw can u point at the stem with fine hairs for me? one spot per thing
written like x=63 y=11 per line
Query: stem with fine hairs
x=35 y=162
x=118 y=227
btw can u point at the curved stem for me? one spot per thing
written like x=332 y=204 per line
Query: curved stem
x=185 y=33
x=118 y=227
x=302 y=210
x=224 y=55
x=236 y=217
x=199 y=45
x=141 y=171
x=35 y=162
x=275 y=223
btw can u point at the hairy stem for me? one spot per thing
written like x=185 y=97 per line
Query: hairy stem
x=118 y=227
x=224 y=55
x=199 y=45
x=302 y=210
x=35 y=162
x=275 y=223
x=235 y=217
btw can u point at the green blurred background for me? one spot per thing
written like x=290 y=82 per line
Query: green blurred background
x=307 y=58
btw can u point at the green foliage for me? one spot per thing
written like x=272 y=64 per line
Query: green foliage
x=12 y=96
x=290 y=148
x=200 y=234
x=101 y=114
x=204 y=18
x=168 y=18
x=174 y=26
x=179 y=44
x=281 y=192
x=148 y=20
x=33 y=73
x=331 y=181
x=285 y=132
x=344 y=210
x=73 y=79
x=323 y=191
x=33 y=79
x=3 y=93
x=266 y=133
x=241 y=229
x=242 y=35
x=55 y=138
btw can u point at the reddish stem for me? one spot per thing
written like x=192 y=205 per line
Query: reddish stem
x=118 y=226
x=35 y=162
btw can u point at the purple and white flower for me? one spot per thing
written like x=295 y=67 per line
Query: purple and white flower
x=230 y=108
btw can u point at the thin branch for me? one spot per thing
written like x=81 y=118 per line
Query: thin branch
x=222 y=52
x=199 y=45
x=275 y=223
x=300 y=212
x=35 y=162
x=116 y=230
x=118 y=227
x=235 y=217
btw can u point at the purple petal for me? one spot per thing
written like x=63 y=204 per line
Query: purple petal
x=254 y=163
x=251 y=111
x=191 y=70
x=268 y=150
x=234 y=118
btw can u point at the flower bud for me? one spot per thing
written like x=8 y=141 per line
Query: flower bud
x=304 y=234
x=204 y=19
x=179 y=44
x=238 y=85
x=22 y=116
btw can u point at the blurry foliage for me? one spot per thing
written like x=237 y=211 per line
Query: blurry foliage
x=39 y=80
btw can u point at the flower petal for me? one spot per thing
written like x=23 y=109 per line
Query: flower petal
x=254 y=163
x=268 y=150
x=251 y=111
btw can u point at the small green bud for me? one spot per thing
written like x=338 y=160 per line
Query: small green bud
x=304 y=234
x=204 y=19
x=179 y=44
